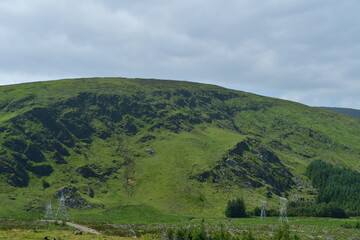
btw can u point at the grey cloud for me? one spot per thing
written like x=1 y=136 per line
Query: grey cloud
x=302 y=50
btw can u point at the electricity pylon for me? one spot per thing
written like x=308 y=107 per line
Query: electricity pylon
x=61 y=211
x=283 y=212
x=263 y=210
x=49 y=212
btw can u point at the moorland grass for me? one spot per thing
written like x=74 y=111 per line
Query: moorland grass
x=163 y=185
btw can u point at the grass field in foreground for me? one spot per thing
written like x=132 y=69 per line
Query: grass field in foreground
x=150 y=216
x=303 y=228
x=315 y=221
x=41 y=234
x=32 y=229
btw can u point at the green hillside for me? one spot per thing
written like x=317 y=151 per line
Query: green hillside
x=114 y=146
x=346 y=111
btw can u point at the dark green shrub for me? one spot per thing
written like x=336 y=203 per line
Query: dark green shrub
x=248 y=236
x=336 y=212
x=45 y=184
x=282 y=233
x=330 y=210
x=181 y=234
x=220 y=234
x=170 y=234
x=272 y=212
x=346 y=225
x=198 y=234
x=257 y=211
x=312 y=209
x=235 y=208
x=349 y=225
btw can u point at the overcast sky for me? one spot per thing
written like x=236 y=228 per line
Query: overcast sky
x=302 y=50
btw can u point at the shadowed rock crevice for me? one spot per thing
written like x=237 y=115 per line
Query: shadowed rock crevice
x=87 y=172
x=13 y=171
x=73 y=198
x=249 y=164
x=40 y=170
x=99 y=172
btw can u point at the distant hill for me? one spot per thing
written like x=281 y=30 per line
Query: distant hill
x=346 y=111
x=115 y=144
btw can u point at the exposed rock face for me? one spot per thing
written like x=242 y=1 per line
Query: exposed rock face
x=73 y=198
x=87 y=172
x=13 y=171
x=147 y=138
x=35 y=204
x=31 y=152
x=250 y=164
x=150 y=151
x=96 y=171
x=40 y=170
x=59 y=159
x=49 y=134
x=87 y=191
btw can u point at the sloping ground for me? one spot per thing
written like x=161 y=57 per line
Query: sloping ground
x=180 y=147
x=346 y=111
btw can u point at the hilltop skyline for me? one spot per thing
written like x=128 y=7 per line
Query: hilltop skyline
x=301 y=51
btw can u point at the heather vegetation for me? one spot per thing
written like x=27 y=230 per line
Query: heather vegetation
x=346 y=111
x=137 y=151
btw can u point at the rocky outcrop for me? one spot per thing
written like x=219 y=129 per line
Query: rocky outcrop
x=96 y=171
x=73 y=198
x=40 y=170
x=249 y=164
x=14 y=171
x=50 y=133
x=87 y=172
x=36 y=204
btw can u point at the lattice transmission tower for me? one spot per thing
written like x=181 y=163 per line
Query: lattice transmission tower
x=49 y=214
x=263 y=210
x=61 y=211
x=283 y=212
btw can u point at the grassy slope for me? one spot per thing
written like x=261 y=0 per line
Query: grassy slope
x=162 y=180
x=346 y=111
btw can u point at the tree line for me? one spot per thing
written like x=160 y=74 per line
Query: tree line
x=338 y=195
x=337 y=186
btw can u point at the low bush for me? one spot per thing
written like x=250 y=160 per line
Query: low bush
x=350 y=225
x=235 y=208
x=283 y=233
x=312 y=209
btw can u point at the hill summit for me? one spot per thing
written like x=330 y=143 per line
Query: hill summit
x=177 y=147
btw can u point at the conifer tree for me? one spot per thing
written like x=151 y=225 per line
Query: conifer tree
x=235 y=208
